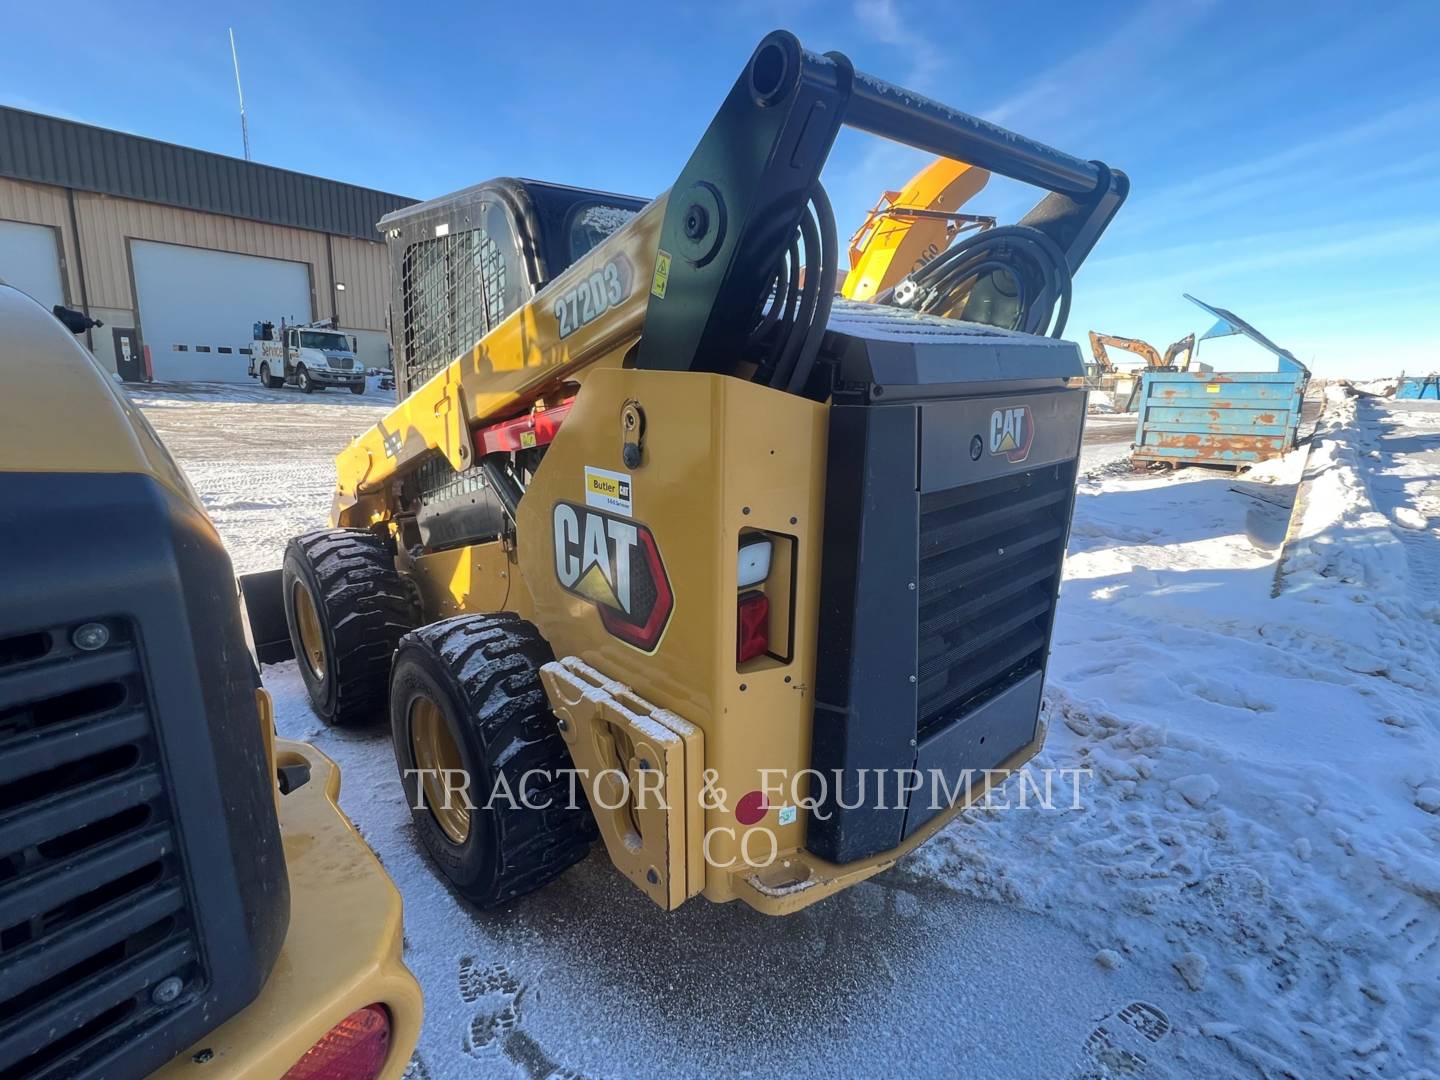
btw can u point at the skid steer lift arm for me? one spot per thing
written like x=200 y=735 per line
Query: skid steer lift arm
x=734 y=212
x=720 y=281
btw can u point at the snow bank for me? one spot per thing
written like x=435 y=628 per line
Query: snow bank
x=1382 y=387
x=1261 y=820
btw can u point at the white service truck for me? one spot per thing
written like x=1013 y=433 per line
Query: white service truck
x=312 y=357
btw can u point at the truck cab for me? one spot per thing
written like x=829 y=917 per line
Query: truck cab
x=311 y=357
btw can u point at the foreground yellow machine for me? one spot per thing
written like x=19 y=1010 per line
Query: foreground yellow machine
x=179 y=891
x=668 y=544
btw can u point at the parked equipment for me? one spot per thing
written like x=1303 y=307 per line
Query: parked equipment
x=658 y=507
x=909 y=227
x=311 y=356
x=1419 y=387
x=1171 y=361
x=179 y=892
x=1210 y=417
x=1102 y=375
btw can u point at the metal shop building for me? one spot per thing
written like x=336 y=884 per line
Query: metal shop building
x=182 y=250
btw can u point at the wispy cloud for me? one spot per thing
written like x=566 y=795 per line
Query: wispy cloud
x=886 y=23
x=1102 y=71
x=1183 y=266
x=1351 y=162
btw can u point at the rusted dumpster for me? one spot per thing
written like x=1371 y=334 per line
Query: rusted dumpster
x=1219 y=417
x=1234 y=418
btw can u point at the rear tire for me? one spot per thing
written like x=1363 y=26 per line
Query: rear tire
x=482 y=673
x=347 y=609
x=267 y=381
x=303 y=380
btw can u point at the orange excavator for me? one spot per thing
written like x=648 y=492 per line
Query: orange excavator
x=1153 y=360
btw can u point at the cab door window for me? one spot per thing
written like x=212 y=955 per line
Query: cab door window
x=457 y=288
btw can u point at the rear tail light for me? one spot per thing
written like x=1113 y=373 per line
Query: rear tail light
x=354 y=1049
x=753 y=637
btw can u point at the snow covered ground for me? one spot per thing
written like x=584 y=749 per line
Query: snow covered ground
x=1251 y=885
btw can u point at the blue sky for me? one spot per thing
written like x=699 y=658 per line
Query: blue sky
x=1284 y=157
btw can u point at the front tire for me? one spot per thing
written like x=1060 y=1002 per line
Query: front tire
x=303 y=380
x=465 y=695
x=347 y=609
x=357 y=388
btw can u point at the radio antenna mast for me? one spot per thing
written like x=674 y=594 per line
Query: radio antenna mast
x=244 y=127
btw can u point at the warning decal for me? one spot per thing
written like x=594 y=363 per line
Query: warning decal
x=662 y=275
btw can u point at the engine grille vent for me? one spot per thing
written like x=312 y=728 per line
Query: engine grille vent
x=94 y=912
x=436 y=482
x=990 y=559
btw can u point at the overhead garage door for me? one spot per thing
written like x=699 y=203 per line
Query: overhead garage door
x=30 y=260
x=198 y=307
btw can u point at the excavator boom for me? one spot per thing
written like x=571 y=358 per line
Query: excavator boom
x=1143 y=349
x=909 y=227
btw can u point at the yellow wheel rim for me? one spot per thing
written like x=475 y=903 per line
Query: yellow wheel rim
x=435 y=754
x=307 y=618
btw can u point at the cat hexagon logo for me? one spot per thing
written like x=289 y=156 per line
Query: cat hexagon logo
x=1011 y=432
x=614 y=563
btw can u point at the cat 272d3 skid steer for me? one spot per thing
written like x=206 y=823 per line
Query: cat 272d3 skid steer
x=769 y=571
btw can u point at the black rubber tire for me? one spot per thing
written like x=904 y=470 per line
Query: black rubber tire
x=268 y=380
x=364 y=608
x=357 y=388
x=303 y=380
x=484 y=673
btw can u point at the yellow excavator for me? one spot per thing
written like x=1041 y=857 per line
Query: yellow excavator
x=908 y=228
x=1153 y=360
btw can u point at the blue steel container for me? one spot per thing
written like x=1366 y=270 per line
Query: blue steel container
x=1419 y=388
x=1233 y=418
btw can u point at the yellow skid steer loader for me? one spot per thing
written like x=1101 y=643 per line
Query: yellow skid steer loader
x=666 y=543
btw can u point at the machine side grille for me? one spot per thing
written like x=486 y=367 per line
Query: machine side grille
x=436 y=482
x=94 y=909
x=454 y=290
x=990 y=559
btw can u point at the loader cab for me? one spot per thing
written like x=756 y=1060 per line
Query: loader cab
x=462 y=263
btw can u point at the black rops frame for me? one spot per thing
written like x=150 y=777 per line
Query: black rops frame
x=738 y=202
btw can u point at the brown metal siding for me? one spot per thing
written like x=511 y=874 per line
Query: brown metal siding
x=39 y=205
x=106 y=223
x=48 y=150
x=362 y=266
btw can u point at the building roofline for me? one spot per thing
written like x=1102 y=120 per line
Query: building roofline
x=67 y=153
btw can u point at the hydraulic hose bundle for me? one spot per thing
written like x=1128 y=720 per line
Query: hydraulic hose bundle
x=798 y=299
x=1027 y=259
